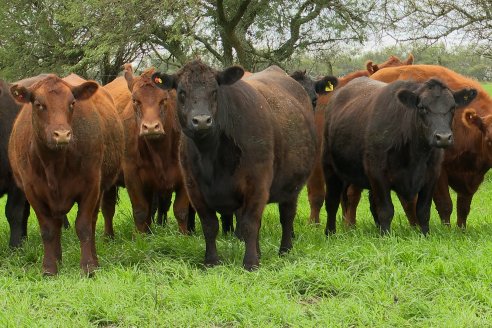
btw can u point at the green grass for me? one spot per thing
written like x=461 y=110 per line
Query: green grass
x=488 y=87
x=353 y=278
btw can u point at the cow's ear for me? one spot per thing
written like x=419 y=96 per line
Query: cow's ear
x=85 y=90
x=326 y=85
x=21 y=94
x=230 y=75
x=408 y=98
x=471 y=119
x=371 y=68
x=409 y=60
x=127 y=68
x=164 y=81
x=464 y=96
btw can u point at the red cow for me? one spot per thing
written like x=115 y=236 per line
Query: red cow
x=151 y=163
x=66 y=147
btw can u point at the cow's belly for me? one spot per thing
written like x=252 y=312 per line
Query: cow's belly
x=222 y=196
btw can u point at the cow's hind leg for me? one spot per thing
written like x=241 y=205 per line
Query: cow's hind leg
x=410 y=208
x=350 y=200
x=463 y=208
x=181 y=208
x=287 y=214
x=108 y=205
x=334 y=188
x=382 y=204
x=17 y=213
x=227 y=223
x=442 y=199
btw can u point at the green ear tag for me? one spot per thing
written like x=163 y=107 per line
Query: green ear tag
x=329 y=86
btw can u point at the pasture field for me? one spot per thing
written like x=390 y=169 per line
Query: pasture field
x=355 y=278
x=488 y=87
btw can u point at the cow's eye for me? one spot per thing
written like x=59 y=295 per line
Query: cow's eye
x=39 y=106
x=182 y=96
x=422 y=109
x=135 y=102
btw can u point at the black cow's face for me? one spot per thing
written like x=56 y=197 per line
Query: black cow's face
x=436 y=105
x=315 y=88
x=197 y=90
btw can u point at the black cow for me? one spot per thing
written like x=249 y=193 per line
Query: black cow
x=17 y=208
x=315 y=87
x=245 y=143
x=385 y=137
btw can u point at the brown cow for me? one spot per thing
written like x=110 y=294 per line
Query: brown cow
x=66 y=146
x=466 y=163
x=315 y=183
x=151 y=164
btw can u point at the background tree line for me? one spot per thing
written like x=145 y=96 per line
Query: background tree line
x=94 y=38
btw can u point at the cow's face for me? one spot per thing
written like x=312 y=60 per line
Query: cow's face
x=197 y=92
x=483 y=125
x=53 y=102
x=314 y=88
x=436 y=105
x=149 y=103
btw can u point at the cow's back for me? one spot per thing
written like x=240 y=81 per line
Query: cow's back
x=293 y=118
x=118 y=89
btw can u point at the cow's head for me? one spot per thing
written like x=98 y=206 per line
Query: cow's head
x=483 y=125
x=436 y=105
x=53 y=102
x=149 y=103
x=198 y=88
x=314 y=88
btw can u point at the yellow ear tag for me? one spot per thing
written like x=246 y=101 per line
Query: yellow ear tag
x=465 y=98
x=329 y=86
x=158 y=80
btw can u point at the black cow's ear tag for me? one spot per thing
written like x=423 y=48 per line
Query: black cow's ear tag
x=329 y=86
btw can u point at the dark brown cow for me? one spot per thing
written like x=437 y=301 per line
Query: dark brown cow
x=466 y=163
x=66 y=146
x=385 y=137
x=151 y=163
x=245 y=143
x=315 y=183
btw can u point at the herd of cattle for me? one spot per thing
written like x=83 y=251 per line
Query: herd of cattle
x=229 y=142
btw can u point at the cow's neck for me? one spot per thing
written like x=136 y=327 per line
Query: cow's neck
x=155 y=150
x=53 y=163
